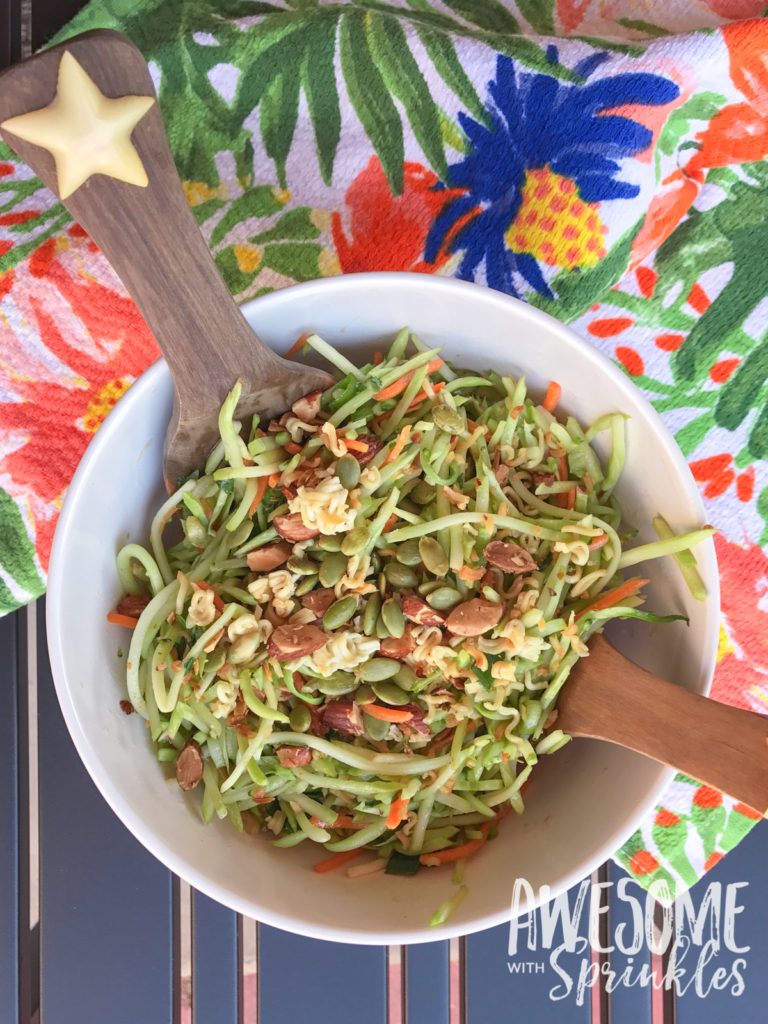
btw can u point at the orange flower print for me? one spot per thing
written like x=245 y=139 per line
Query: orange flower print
x=741 y=676
x=93 y=344
x=736 y=134
x=389 y=232
x=717 y=473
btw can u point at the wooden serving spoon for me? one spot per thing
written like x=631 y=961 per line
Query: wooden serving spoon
x=146 y=231
x=608 y=697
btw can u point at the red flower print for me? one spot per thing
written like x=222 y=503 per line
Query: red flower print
x=741 y=676
x=631 y=360
x=100 y=343
x=736 y=134
x=643 y=863
x=389 y=232
x=666 y=818
x=717 y=471
x=707 y=797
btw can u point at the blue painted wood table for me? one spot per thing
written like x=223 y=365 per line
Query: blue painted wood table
x=94 y=929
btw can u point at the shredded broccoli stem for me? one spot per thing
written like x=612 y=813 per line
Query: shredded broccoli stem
x=440 y=490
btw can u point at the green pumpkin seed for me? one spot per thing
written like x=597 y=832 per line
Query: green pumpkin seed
x=355 y=541
x=364 y=695
x=332 y=569
x=398 y=575
x=337 y=684
x=341 y=611
x=407 y=678
x=348 y=471
x=307 y=584
x=375 y=728
x=390 y=692
x=300 y=565
x=429 y=586
x=433 y=556
x=377 y=669
x=300 y=718
x=410 y=506
x=408 y=553
x=381 y=628
x=330 y=543
x=443 y=597
x=422 y=493
x=447 y=420
x=375 y=562
x=392 y=614
x=371 y=614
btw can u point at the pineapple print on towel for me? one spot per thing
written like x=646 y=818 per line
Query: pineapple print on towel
x=536 y=174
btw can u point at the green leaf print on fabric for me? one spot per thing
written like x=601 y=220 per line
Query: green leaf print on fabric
x=17 y=555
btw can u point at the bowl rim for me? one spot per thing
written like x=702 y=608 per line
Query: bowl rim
x=110 y=791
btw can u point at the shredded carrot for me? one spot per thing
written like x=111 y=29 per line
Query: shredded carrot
x=398 y=811
x=387 y=714
x=613 y=597
x=273 y=479
x=568 y=498
x=398 y=386
x=402 y=437
x=390 y=523
x=377 y=358
x=344 y=821
x=552 y=396
x=466 y=572
x=122 y=620
x=423 y=394
x=292 y=448
x=336 y=861
x=296 y=347
x=355 y=446
x=432 y=860
x=261 y=490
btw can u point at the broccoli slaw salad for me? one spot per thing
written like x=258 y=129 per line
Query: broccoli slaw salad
x=356 y=631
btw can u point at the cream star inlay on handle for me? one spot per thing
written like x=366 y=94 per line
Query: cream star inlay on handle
x=85 y=131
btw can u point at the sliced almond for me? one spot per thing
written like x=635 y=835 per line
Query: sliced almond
x=269 y=557
x=419 y=611
x=308 y=407
x=474 y=617
x=133 y=604
x=509 y=557
x=293 y=757
x=318 y=601
x=343 y=716
x=189 y=765
x=398 y=647
x=289 y=642
x=292 y=528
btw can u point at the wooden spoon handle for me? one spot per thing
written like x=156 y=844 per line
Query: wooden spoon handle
x=720 y=745
x=148 y=234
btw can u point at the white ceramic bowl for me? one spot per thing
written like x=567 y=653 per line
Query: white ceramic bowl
x=584 y=801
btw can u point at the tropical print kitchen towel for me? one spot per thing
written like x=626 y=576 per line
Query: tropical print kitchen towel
x=601 y=159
